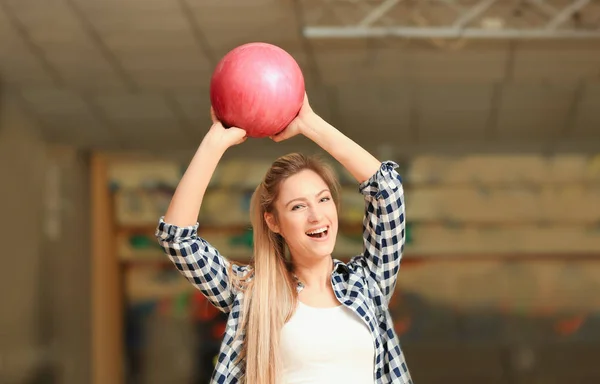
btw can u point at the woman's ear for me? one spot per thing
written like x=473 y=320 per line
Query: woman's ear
x=271 y=222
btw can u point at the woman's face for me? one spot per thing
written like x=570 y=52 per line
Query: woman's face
x=306 y=216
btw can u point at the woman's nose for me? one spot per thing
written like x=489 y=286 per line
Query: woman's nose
x=315 y=215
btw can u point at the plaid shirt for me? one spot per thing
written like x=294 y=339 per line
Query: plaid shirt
x=365 y=284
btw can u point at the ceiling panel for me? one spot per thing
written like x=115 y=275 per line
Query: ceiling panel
x=18 y=63
x=56 y=102
x=452 y=125
x=473 y=63
x=166 y=58
x=119 y=20
x=67 y=31
x=155 y=45
x=246 y=14
x=158 y=128
x=557 y=61
x=56 y=30
x=533 y=111
x=110 y=7
x=451 y=112
x=149 y=36
x=248 y=23
x=586 y=123
x=66 y=117
x=19 y=66
x=371 y=111
x=149 y=40
x=386 y=59
x=92 y=79
x=50 y=22
x=143 y=119
x=79 y=130
x=195 y=105
x=143 y=132
x=463 y=97
x=134 y=106
x=67 y=56
x=347 y=60
x=360 y=61
x=161 y=79
x=35 y=9
x=340 y=62
x=7 y=32
x=339 y=13
x=83 y=67
x=234 y=4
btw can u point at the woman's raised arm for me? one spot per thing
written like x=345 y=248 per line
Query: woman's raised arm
x=193 y=256
x=384 y=219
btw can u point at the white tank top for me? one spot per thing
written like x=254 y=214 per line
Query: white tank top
x=326 y=346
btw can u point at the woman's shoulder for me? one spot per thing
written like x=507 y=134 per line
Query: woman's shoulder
x=355 y=270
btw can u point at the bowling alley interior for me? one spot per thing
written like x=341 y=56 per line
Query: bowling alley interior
x=487 y=109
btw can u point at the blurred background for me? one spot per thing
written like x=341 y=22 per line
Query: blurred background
x=491 y=108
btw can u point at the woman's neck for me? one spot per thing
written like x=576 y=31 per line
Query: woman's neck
x=314 y=274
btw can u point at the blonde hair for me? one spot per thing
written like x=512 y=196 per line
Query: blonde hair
x=270 y=295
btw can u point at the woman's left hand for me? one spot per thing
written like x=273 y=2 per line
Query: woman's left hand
x=297 y=125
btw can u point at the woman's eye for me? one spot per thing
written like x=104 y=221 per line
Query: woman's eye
x=295 y=207
x=325 y=199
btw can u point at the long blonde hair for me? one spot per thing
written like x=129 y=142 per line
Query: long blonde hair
x=270 y=296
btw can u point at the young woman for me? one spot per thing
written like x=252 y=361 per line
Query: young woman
x=296 y=315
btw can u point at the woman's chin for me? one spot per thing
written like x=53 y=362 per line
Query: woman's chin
x=323 y=250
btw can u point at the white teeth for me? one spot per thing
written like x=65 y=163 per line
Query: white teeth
x=317 y=231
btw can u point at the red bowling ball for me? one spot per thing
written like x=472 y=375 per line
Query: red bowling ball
x=258 y=87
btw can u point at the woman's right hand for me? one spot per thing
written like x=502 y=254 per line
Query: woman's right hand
x=225 y=137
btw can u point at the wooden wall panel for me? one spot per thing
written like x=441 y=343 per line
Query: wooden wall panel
x=519 y=239
x=107 y=305
x=494 y=169
x=576 y=202
x=519 y=204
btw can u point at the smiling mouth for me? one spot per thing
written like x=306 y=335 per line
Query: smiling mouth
x=318 y=233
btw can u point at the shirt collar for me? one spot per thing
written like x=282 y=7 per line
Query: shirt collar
x=338 y=267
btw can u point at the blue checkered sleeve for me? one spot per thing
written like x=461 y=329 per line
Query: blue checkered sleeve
x=199 y=262
x=383 y=227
